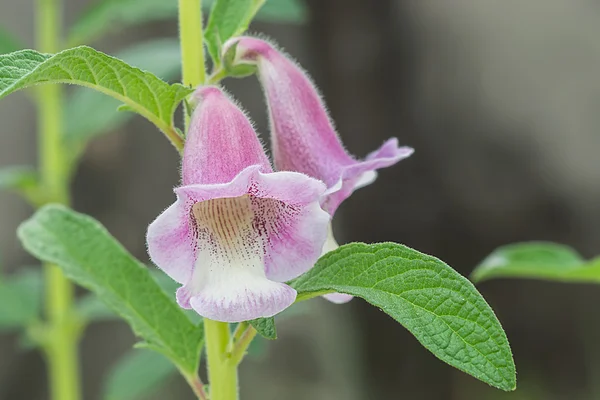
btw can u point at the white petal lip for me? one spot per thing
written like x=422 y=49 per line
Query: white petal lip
x=242 y=295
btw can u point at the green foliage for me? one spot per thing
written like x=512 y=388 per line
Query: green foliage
x=20 y=299
x=149 y=96
x=228 y=18
x=289 y=11
x=90 y=256
x=107 y=15
x=538 y=260
x=23 y=180
x=265 y=327
x=137 y=375
x=161 y=57
x=8 y=43
x=442 y=309
x=112 y=15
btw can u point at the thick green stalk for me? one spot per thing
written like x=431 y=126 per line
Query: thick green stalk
x=222 y=371
x=63 y=331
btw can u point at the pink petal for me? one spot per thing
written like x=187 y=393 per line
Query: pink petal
x=220 y=141
x=304 y=139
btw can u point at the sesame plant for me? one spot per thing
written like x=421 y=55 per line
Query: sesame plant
x=246 y=237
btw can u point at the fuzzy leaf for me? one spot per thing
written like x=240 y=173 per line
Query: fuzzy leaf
x=89 y=114
x=265 y=327
x=90 y=256
x=228 y=18
x=137 y=375
x=538 y=260
x=441 y=308
x=149 y=96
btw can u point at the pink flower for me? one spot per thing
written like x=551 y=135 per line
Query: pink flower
x=304 y=139
x=237 y=229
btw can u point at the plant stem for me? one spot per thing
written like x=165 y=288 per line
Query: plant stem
x=191 y=41
x=61 y=344
x=222 y=371
x=241 y=345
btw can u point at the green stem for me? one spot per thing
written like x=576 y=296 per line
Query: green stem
x=63 y=330
x=241 y=345
x=222 y=371
x=191 y=42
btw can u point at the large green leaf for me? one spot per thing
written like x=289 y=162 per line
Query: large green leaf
x=89 y=113
x=90 y=256
x=538 y=260
x=20 y=299
x=442 y=309
x=143 y=92
x=228 y=18
x=107 y=15
x=137 y=375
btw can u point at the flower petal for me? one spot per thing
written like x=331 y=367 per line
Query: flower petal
x=220 y=141
x=168 y=239
x=303 y=135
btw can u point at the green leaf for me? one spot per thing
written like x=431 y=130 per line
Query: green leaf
x=112 y=15
x=265 y=327
x=228 y=18
x=137 y=375
x=8 y=43
x=89 y=114
x=20 y=299
x=92 y=309
x=90 y=256
x=288 y=11
x=149 y=96
x=538 y=260
x=21 y=179
x=441 y=308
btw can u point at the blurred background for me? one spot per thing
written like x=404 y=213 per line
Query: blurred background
x=500 y=99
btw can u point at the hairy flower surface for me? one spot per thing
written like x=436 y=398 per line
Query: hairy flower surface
x=237 y=229
x=302 y=133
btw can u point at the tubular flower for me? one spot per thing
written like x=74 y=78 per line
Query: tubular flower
x=303 y=136
x=237 y=229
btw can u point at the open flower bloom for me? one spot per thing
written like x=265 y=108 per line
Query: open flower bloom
x=237 y=229
x=303 y=136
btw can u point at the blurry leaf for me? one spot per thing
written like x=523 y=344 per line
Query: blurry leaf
x=8 y=42
x=538 y=260
x=90 y=256
x=137 y=375
x=265 y=327
x=20 y=299
x=228 y=18
x=112 y=15
x=284 y=11
x=23 y=180
x=151 y=97
x=89 y=114
x=441 y=308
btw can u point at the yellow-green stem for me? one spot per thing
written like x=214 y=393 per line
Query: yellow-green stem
x=61 y=343
x=222 y=371
x=191 y=41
